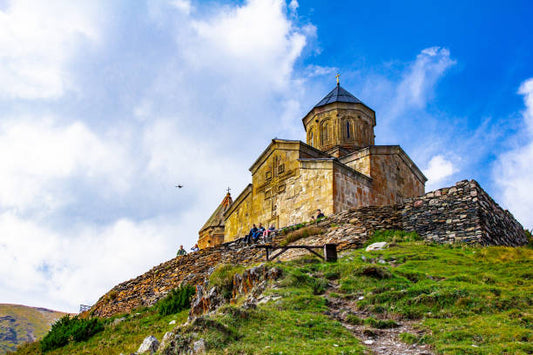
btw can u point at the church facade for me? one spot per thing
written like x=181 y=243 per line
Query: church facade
x=338 y=167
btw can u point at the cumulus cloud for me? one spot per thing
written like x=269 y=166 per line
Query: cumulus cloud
x=37 y=43
x=513 y=169
x=438 y=170
x=87 y=195
x=38 y=156
x=64 y=269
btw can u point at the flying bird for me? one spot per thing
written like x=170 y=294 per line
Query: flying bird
x=179 y=186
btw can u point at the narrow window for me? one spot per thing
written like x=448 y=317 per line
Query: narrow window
x=348 y=129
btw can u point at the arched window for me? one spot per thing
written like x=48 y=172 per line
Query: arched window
x=310 y=139
x=347 y=135
x=324 y=133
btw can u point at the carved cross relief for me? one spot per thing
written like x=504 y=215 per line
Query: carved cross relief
x=274 y=185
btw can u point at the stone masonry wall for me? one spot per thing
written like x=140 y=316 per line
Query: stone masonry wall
x=350 y=188
x=461 y=213
x=498 y=225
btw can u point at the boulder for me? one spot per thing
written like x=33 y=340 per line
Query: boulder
x=150 y=345
x=376 y=246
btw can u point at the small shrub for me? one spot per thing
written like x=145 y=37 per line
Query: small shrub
x=222 y=277
x=529 y=236
x=177 y=300
x=301 y=233
x=68 y=329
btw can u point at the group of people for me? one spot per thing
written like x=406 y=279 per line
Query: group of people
x=257 y=232
x=182 y=251
x=254 y=234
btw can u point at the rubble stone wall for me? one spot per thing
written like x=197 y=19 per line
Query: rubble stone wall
x=462 y=213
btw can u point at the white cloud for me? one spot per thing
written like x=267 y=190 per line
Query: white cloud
x=417 y=85
x=513 y=170
x=39 y=156
x=36 y=40
x=526 y=89
x=293 y=5
x=439 y=168
x=183 y=5
x=87 y=195
x=257 y=38
x=401 y=98
x=317 y=70
x=68 y=268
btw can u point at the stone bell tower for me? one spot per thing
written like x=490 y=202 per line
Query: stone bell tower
x=340 y=123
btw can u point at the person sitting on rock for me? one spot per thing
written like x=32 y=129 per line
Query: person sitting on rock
x=181 y=251
x=258 y=233
x=195 y=248
x=249 y=236
x=269 y=232
x=319 y=214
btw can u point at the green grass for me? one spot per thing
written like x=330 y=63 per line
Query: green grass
x=177 y=300
x=222 y=277
x=462 y=300
x=70 y=329
x=118 y=336
x=472 y=300
x=19 y=324
x=293 y=324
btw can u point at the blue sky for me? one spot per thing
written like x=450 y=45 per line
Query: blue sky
x=106 y=105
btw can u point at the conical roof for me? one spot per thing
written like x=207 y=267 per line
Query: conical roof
x=217 y=218
x=338 y=94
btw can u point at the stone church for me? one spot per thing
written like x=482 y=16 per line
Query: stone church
x=338 y=167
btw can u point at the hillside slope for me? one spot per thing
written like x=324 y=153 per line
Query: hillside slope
x=21 y=324
x=413 y=297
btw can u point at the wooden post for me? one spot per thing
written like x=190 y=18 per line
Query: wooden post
x=330 y=252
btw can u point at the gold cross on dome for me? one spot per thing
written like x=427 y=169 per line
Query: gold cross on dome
x=337 y=76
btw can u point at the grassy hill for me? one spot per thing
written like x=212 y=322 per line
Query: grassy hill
x=21 y=324
x=414 y=296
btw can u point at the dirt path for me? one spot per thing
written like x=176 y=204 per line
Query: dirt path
x=378 y=341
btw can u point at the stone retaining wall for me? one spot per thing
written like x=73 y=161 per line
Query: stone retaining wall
x=462 y=213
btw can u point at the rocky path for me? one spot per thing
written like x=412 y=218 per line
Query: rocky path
x=378 y=341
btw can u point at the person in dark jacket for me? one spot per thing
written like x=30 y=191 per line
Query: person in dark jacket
x=259 y=232
x=248 y=237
